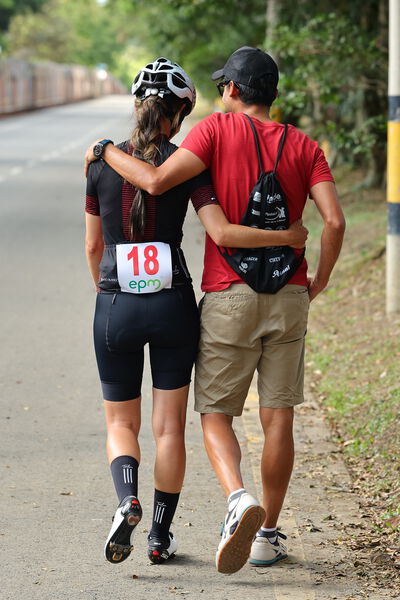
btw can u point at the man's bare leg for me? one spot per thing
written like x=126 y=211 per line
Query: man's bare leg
x=277 y=460
x=244 y=515
x=223 y=450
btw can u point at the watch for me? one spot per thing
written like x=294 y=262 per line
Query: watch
x=98 y=148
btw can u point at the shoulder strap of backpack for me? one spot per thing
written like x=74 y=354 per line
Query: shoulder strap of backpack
x=282 y=141
x=260 y=165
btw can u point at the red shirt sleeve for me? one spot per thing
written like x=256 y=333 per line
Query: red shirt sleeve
x=320 y=169
x=200 y=140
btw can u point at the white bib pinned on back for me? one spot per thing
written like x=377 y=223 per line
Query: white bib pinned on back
x=144 y=268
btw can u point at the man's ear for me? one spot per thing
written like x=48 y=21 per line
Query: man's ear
x=233 y=90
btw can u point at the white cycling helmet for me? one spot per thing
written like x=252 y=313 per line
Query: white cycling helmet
x=163 y=77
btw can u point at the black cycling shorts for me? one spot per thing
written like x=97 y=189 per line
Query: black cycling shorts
x=167 y=320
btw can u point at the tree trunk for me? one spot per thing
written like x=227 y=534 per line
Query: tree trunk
x=375 y=102
x=271 y=16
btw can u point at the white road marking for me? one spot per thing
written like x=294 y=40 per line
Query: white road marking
x=15 y=171
x=95 y=132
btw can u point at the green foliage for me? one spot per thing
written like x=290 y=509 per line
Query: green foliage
x=129 y=62
x=196 y=33
x=355 y=143
x=333 y=57
x=8 y=8
x=68 y=31
x=334 y=69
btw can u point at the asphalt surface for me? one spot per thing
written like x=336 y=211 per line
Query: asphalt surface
x=56 y=493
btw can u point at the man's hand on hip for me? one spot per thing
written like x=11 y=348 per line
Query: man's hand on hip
x=315 y=287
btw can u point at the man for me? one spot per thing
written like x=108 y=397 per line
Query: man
x=243 y=331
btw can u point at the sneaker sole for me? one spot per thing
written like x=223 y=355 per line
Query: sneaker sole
x=233 y=556
x=266 y=563
x=157 y=556
x=157 y=559
x=118 y=546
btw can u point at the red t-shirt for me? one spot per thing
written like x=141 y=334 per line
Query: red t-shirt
x=225 y=143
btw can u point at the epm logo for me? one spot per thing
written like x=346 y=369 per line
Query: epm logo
x=138 y=286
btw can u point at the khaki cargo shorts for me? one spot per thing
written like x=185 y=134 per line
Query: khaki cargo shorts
x=242 y=331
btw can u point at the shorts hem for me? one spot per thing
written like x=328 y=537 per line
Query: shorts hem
x=165 y=388
x=210 y=410
x=282 y=404
x=115 y=392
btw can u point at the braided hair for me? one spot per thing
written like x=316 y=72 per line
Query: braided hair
x=146 y=140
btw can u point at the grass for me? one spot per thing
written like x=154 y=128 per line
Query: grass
x=353 y=353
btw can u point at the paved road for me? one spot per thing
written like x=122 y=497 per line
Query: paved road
x=56 y=493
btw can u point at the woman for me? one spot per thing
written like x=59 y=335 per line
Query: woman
x=146 y=297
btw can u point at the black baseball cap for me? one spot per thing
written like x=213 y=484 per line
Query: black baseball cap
x=249 y=66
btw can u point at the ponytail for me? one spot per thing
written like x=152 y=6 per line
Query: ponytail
x=146 y=140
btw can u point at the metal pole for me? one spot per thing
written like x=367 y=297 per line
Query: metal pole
x=393 y=169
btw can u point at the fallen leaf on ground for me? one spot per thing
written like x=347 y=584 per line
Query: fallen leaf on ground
x=381 y=558
x=393 y=522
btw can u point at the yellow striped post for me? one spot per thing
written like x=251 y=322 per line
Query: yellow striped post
x=393 y=164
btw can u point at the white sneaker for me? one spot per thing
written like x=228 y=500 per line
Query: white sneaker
x=264 y=552
x=242 y=521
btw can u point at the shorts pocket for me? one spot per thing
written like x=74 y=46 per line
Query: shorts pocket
x=228 y=319
x=295 y=307
x=227 y=303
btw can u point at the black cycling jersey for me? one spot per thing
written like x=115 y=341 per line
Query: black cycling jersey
x=110 y=196
x=167 y=320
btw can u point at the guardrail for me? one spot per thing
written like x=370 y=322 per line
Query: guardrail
x=25 y=86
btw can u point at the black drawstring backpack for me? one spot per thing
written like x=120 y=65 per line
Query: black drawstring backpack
x=269 y=268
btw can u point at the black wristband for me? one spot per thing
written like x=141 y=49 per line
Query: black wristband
x=98 y=148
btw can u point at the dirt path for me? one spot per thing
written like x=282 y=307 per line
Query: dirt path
x=323 y=518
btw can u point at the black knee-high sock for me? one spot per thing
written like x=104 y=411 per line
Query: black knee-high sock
x=124 y=470
x=164 y=509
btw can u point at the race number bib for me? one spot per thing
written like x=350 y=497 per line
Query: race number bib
x=144 y=268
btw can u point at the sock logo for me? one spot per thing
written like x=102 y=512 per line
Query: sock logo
x=159 y=512
x=127 y=472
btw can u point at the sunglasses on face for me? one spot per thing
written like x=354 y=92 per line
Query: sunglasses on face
x=220 y=86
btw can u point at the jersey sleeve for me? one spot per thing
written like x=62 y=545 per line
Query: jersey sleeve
x=200 y=140
x=320 y=169
x=202 y=191
x=92 y=202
